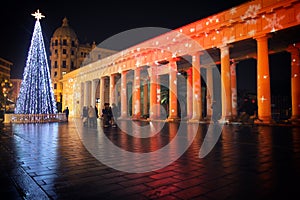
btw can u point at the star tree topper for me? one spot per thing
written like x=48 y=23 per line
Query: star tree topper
x=38 y=15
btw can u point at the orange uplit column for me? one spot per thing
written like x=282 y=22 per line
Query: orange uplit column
x=158 y=97
x=82 y=94
x=189 y=93
x=153 y=93
x=93 y=92
x=295 y=80
x=112 y=92
x=102 y=91
x=210 y=91
x=145 y=96
x=197 y=96
x=263 y=80
x=233 y=90
x=226 y=84
x=124 y=113
x=173 y=107
x=136 y=101
x=87 y=93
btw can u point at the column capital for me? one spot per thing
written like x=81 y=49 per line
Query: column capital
x=209 y=66
x=197 y=53
x=225 y=46
x=293 y=47
x=262 y=36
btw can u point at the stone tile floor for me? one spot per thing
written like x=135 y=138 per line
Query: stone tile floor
x=58 y=161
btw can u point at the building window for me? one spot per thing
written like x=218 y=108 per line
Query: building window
x=55 y=64
x=72 y=65
x=56 y=42
x=55 y=51
x=55 y=86
x=64 y=51
x=64 y=42
x=72 y=52
x=73 y=43
x=55 y=74
x=64 y=64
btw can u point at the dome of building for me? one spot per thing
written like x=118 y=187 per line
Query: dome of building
x=65 y=30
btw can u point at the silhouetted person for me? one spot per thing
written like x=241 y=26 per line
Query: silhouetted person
x=66 y=111
x=85 y=115
x=107 y=115
x=96 y=110
x=92 y=120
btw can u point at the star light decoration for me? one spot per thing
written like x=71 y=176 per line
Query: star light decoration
x=38 y=15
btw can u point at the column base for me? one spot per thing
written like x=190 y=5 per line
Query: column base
x=196 y=119
x=173 y=119
x=124 y=118
x=136 y=117
x=295 y=120
x=263 y=120
x=225 y=119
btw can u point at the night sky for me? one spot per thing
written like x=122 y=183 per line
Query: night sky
x=99 y=20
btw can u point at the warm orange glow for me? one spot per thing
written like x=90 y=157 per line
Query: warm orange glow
x=263 y=80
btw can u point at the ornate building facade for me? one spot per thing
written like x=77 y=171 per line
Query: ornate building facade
x=5 y=67
x=68 y=54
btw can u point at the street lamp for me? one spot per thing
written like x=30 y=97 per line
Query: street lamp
x=6 y=86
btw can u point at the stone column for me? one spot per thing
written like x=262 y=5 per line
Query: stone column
x=93 y=92
x=225 y=84
x=210 y=91
x=233 y=90
x=124 y=113
x=82 y=95
x=197 y=90
x=158 y=97
x=136 y=100
x=295 y=80
x=102 y=92
x=173 y=107
x=87 y=93
x=263 y=80
x=112 y=92
x=153 y=93
x=189 y=93
x=145 y=92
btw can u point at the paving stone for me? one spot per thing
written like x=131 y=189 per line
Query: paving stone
x=260 y=162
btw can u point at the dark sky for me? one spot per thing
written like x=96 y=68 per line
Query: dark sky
x=93 y=20
x=100 y=20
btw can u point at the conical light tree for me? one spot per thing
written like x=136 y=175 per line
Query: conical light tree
x=36 y=93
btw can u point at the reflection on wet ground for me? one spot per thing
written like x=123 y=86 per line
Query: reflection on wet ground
x=141 y=160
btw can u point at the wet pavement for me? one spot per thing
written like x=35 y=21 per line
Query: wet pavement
x=66 y=161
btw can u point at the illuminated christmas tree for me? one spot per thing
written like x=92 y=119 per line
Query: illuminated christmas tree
x=36 y=94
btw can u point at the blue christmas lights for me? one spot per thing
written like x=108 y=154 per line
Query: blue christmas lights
x=36 y=93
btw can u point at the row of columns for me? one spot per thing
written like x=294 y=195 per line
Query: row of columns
x=193 y=89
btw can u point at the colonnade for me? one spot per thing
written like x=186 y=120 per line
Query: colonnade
x=145 y=92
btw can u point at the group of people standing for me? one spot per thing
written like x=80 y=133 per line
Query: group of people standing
x=90 y=115
x=108 y=115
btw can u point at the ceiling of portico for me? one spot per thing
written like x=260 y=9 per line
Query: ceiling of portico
x=246 y=49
